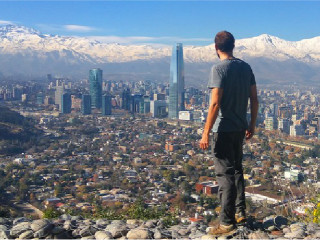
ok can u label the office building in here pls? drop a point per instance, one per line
(176, 85)
(65, 103)
(271, 123)
(284, 125)
(126, 99)
(58, 93)
(158, 108)
(106, 105)
(296, 130)
(40, 98)
(86, 104)
(95, 82)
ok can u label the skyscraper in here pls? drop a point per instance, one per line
(58, 93)
(176, 87)
(86, 104)
(106, 105)
(66, 103)
(126, 96)
(95, 80)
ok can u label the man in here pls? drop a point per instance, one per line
(232, 83)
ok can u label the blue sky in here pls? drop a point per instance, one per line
(166, 22)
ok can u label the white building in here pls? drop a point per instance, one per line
(186, 115)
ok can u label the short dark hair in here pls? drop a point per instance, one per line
(224, 41)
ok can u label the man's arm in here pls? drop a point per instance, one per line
(216, 95)
(254, 105)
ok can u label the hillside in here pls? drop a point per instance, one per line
(17, 133)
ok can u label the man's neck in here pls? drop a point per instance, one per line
(224, 55)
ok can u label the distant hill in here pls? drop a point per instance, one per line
(17, 133)
(273, 60)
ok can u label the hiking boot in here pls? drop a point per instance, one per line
(222, 230)
(240, 217)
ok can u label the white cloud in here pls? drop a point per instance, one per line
(78, 28)
(144, 39)
(4, 22)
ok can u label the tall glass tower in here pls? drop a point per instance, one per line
(95, 80)
(176, 86)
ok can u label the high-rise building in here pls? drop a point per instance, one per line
(58, 93)
(106, 105)
(40, 98)
(65, 103)
(86, 104)
(284, 125)
(271, 123)
(136, 102)
(176, 86)
(158, 108)
(126, 99)
(95, 80)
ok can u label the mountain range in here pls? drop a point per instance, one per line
(26, 51)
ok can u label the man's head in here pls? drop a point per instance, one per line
(224, 42)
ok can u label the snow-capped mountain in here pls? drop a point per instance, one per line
(27, 50)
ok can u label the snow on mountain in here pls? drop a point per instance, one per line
(29, 42)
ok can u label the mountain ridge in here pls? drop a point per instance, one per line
(37, 53)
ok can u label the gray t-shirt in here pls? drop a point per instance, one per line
(235, 77)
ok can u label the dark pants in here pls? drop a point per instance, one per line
(227, 152)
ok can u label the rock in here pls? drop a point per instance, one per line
(258, 235)
(20, 220)
(162, 234)
(117, 229)
(65, 217)
(174, 234)
(102, 222)
(4, 221)
(312, 228)
(183, 231)
(43, 232)
(151, 223)
(133, 221)
(88, 231)
(300, 233)
(19, 228)
(26, 235)
(70, 225)
(297, 226)
(36, 225)
(3, 228)
(88, 238)
(160, 224)
(76, 218)
(139, 233)
(63, 235)
(76, 233)
(197, 234)
(57, 230)
(103, 235)
(207, 237)
(316, 235)
(4, 234)
(286, 230)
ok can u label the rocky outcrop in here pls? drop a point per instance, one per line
(75, 227)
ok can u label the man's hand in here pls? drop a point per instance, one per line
(250, 133)
(204, 142)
